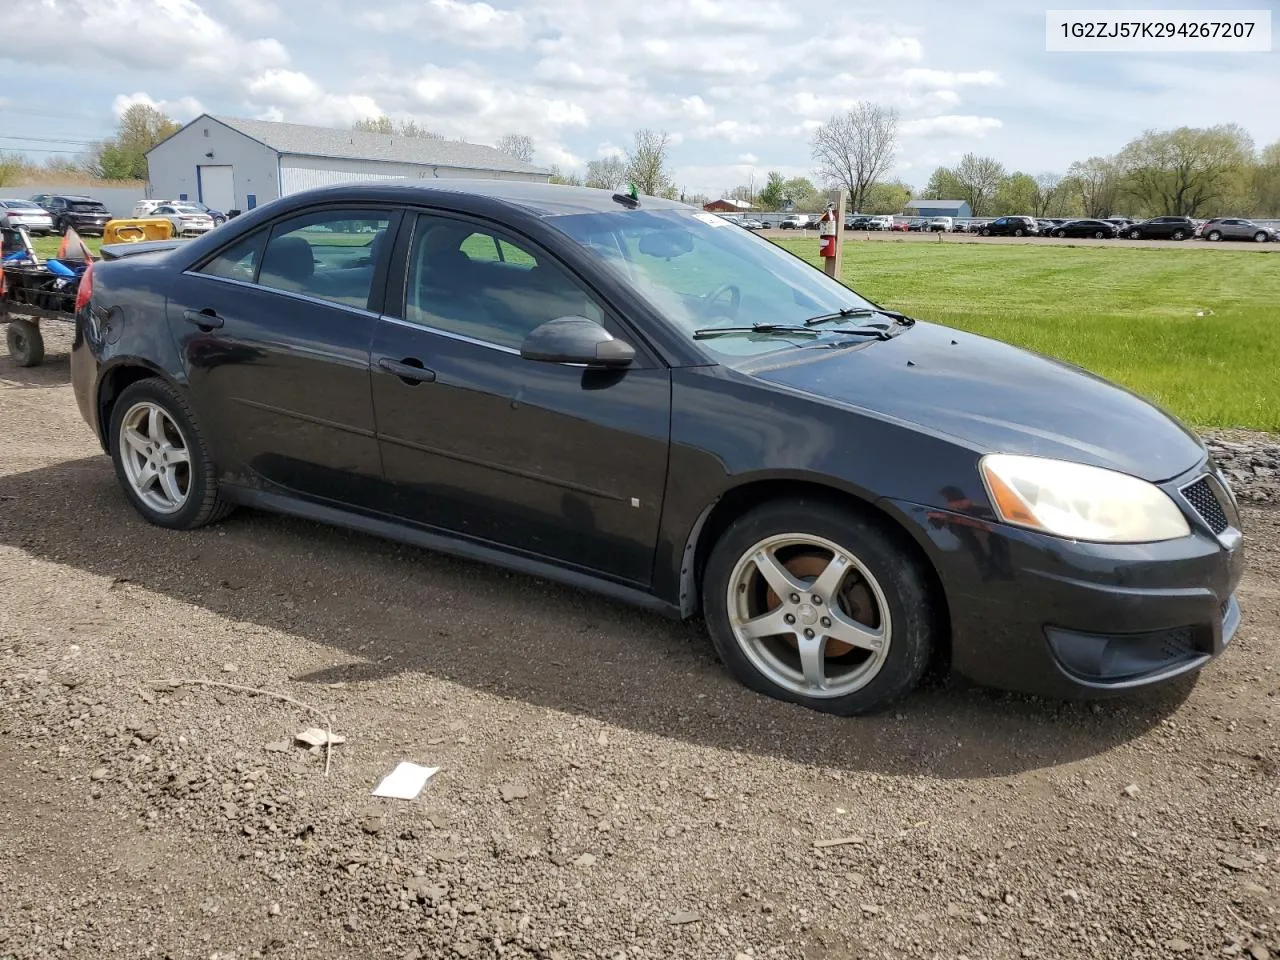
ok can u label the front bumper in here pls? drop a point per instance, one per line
(1055, 617)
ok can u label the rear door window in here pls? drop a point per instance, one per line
(329, 255)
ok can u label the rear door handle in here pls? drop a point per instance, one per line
(410, 370)
(205, 319)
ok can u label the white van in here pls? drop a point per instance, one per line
(942, 224)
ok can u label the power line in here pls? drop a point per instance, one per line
(84, 143)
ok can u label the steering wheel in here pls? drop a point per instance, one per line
(710, 301)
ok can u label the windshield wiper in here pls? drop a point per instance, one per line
(840, 314)
(787, 329)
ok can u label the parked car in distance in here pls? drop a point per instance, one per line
(1161, 228)
(880, 222)
(1097, 229)
(750, 223)
(1010, 227)
(796, 221)
(917, 224)
(942, 225)
(187, 220)
(1120, 223)
(86, 215)
(900, 226)
(1030, 524)
(859, 222)
(1046, 225)
(26, 213)
(1236, 228)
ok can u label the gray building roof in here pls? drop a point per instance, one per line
(938, 204)
(352, 145)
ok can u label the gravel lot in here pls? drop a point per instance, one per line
(605, 790)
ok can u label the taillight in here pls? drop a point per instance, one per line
(85, 290)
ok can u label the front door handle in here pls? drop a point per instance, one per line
(205, 319)
(410, 370)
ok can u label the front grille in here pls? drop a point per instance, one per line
(1177, 644)
(1205, 502)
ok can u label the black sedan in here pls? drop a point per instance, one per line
(1097, 229)
(632, 396)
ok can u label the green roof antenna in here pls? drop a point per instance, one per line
(632, 192)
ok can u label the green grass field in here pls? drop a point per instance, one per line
(1126, 313)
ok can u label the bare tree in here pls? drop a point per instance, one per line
(608, 173)
(518, 146)
(856, 149)
(1097, 182)
(406, 128)
(978, 178)
(647, 160)
(1045, 193)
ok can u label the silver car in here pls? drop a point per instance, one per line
(25, 213)
(1236, 228)
(187, 220)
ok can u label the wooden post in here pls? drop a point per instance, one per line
(833, 267)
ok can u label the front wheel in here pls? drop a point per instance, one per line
(161, 457)
(1098, 235)
(986, 233)
(812, 603)
(1060, 234)
(1213, 235)
(1135, 234)
(1179, 235)
(1260, 237)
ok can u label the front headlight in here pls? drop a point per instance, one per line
(1080, 502)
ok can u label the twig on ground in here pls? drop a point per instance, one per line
(257, 691)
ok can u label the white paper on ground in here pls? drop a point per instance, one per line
(405, 782)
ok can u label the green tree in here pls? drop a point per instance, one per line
(1015, 196)
(124, 156)
(1096, 185)
(885, 197)
(1184, 172)
(569, 179)
(12, 166)
(1265, 199)
(801, 194)
(978, 178)
(771, 194)
(1048, 187)
(942, 185)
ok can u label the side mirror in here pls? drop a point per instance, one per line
(576, 340)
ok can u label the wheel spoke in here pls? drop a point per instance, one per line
(813, 660)
(147, 475)
(847, 630)
(829, 580)
(135, 440)
(776, 575)
(155, 426)
(176, 455)
(766, 625)
(169, 484)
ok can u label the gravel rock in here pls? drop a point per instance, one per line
(1251, 462)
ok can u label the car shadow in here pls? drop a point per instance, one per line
(388, 609)
(53, 371)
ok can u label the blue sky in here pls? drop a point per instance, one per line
(739, 84)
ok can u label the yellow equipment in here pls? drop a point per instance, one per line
(135, 231)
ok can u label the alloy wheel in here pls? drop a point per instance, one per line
(809, 615)
(155, 456)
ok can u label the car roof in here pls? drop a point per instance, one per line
(540, 199)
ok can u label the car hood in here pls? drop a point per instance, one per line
(995, 398)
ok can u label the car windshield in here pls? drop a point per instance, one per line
(698, 273)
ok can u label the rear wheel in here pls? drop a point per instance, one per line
(1135, 234)
(1260, 237)
(808, 602)
(1060, 234)
(161, 457)
(1019, 232)
(26, 345)
(986, 233)
(1098, 235)
(1179, 235)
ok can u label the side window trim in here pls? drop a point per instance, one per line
(397, 286)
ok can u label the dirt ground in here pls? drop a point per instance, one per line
(605, 790)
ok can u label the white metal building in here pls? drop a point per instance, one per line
(232, 164)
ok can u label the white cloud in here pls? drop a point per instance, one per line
(254, 11)
(607, 149)
(750, 158)
(478, 25)
(733, 131)
(925, 77)
(182, 109)
(950, 125)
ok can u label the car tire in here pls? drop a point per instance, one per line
(986, 233)
(1135, 234)
(26, 345)
(1060, 234)
(1019, 232)
(1099, 235)
(1179, 235)
(175, 431)
(882, 599)
(1213, 235)
(1261, 237)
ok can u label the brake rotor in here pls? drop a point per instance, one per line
(855, 597)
